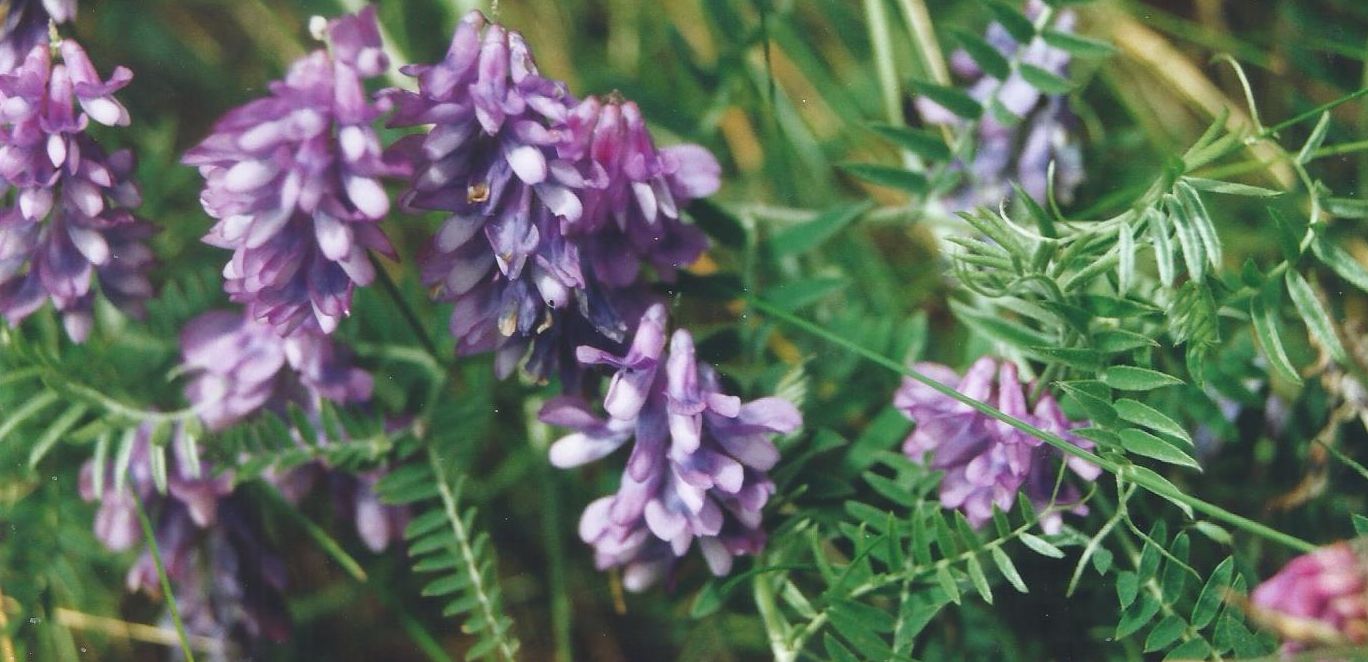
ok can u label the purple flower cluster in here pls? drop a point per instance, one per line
(25, 25)
(553, 206)
(209, 542)
(699, 464)
(294, 181)
(66, 224)
(987, 462)
(1318, 598)
(1038, 127)
(239, 366)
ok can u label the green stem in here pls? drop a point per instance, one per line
(877, 16)
(410, 316)
(151, 537)
(775, 627)
(320, 537)
(1153, 484)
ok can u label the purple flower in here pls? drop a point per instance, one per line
(294, 181)
(25, 25)
(987, 462)
(1037, 128)
(67, 224)
(488, 162)
(1318, 598)
(699, 464)
(637, 212)
(552, 206)
(239, 365)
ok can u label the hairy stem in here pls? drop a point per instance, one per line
(165, 581)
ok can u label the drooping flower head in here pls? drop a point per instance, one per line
(699, 464)
(636, 214)
(66, 224)
(1036, 128)
(294, 182)
(552, 206)
(24, 25)
(488, 162)
(987, 462)
(1320, 598)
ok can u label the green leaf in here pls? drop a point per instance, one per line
(1193, 649)
(1167, 489)
(1262, 309)
(1044, 81)
(1077, 45)
(1360, 524)
(1201, 222)
(1194, 255)
(1165, 633)
(1143, 443)
(1231, 188)
(1163, 245)
(1216, 533)
(1011, 18)
(1115, 341)
(1288, 241)
(1315, 140)
(836, 650)
(1008, 570)
(1140, 413)
(1125, 265)
(1041, 546)
(948, 583)
(1316, 317)
(887, 176)
(1347, 207)
(984, 54)
(1213, 594)
(1098, 409)
(858, 631)
(978, 579)
(807, 236)
(1136, 616)
(1131, 378)
(1340, 261)
(952, 99)
(1127, 587)
(1174, 577)
(797, 294)
(925, 144)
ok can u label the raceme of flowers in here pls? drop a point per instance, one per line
(294, 182)
(698, 469)
(987, 462)
(66, 224)
(1320, 598)
(238, 367)
(553, 206)
(1036, 129)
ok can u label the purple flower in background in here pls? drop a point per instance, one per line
(699, 464)
(25, 25)
(239, 366)
(67, 222)
(294, 181)
(1036, 128)
(553, 205)
(1318, 598)
(987, 462)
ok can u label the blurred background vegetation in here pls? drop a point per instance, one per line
(782, 91)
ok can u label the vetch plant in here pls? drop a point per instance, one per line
(724, 330)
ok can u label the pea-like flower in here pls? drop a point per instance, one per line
(294, 181)
(699, 464)
(987, 462)
(238, 366)
(1320, 598)
(552, 205)
(1035, 129)
(66, 225)
(25, 24)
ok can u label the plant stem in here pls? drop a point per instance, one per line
(775, 626)
(165, 581)
(879, 35)
(410, 316)
(1154, 483)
